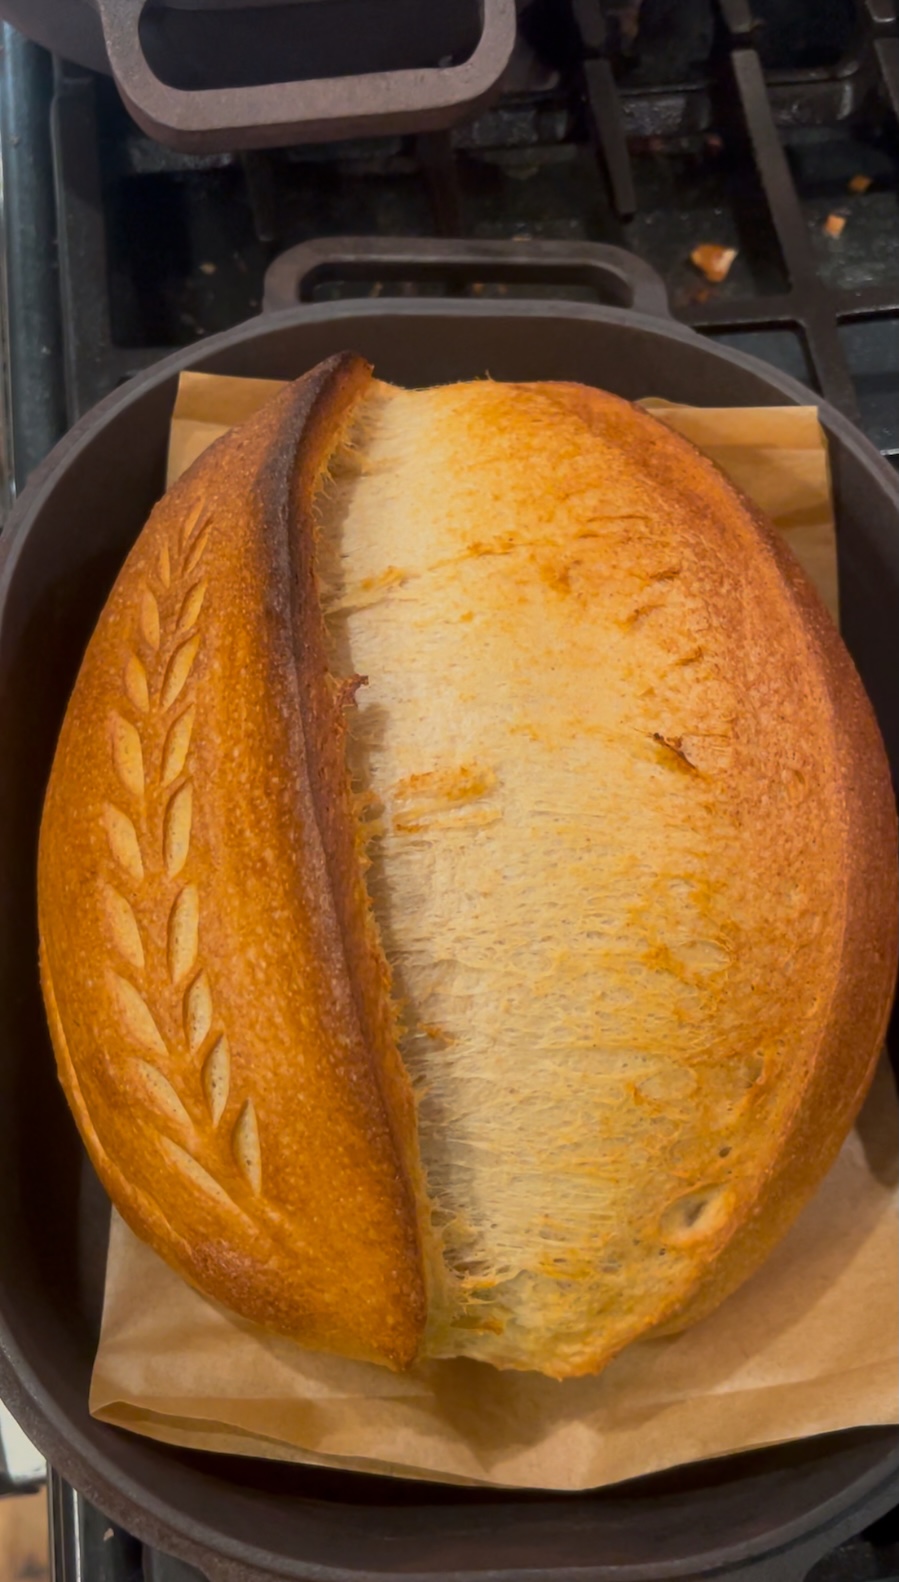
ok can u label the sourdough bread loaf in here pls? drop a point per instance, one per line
(467, 880)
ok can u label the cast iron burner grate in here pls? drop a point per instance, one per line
(655, 125)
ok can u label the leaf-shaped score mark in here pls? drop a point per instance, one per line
(183, 933)
(177, 742)
(149, 619)
(197, 1012)
(194, 1172)
(161, 1094)
(123, 842)
(123, 928)
(217, 1078)
(245, 1146)
(127, 754)
(191, 606)
(178, 669)
(134, 1014)
(136, 684)
(196, 552)
(176, 829)
(193, 520)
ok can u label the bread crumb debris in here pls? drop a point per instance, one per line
(713, 261)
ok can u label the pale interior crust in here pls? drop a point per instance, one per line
(615, 863)
(633, 852)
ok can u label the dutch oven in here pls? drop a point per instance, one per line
(772, 1511)
(206, 75)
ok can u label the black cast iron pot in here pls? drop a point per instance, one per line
(772, 1512)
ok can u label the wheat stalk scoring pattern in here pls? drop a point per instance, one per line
(160, 699)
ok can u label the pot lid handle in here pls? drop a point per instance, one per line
(322, 109)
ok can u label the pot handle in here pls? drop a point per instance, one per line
(616, 275)
(321, 109)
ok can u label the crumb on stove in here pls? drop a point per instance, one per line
(860, 183)
(834, 224)
(713, 261)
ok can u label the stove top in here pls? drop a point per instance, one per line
(658, 126)
(764, 128)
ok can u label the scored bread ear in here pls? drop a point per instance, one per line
(218, 999)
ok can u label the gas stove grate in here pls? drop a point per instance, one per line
(589, 142)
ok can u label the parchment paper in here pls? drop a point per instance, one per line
(809, 1345)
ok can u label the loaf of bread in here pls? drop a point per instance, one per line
(467, 879)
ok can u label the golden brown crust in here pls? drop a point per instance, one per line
(218, 1005)
(862, 849)
(864, 980)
